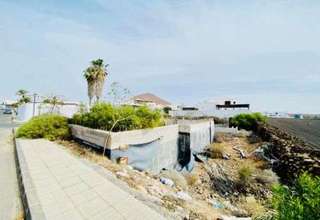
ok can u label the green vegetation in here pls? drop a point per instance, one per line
(247, 121)
(49, 126)
(119, 118)
(54, 101)
(302, 201)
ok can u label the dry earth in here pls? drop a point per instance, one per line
(211, 191)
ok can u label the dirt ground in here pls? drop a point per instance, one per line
(211, 191)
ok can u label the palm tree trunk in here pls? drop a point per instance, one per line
(91, 91)
(99, 87)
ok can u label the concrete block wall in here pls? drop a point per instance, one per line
(201, 134)
(148, 149)
(152, 149)
(91, 136)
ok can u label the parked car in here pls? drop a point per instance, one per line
(7, 111)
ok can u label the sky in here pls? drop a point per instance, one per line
(262, 52)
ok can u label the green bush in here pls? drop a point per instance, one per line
(302, 201)
(48, 126)
(247, 121)
(122, 118)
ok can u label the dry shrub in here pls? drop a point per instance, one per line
(216, 150)
(252, 206)
(218, 138)
(253, 139)
(192, 179)
(245, 173)
(172, 203)
(267, 177)
(261, 164)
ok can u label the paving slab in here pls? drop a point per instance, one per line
(61, 186)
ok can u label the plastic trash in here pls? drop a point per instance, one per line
(166, 181)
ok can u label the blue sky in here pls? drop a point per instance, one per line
(263, 52)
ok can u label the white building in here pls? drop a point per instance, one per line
(212, 109)
(28, 110)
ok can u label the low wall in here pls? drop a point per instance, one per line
(148, 149)
(221, 113)
(221, 129)
(152, 149)
(201, 134)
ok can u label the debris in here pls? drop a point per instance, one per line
(184, 196)
(216, 204)
(242, 154)
(122, 174)
(177, 178)
(122, 160)
(226, 156)
(166, 181)
(220, 179)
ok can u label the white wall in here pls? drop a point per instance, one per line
(216, 113)
(25, 111)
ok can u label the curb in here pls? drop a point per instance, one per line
(30, 202)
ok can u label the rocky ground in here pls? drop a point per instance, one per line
(213, 190)
(292, 154)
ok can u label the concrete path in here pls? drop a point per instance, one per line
(64, 187)
(9, 193)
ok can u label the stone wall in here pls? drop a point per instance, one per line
(294, 155)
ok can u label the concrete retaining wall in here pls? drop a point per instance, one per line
(201, 134)
(152, 149)
(148, 149)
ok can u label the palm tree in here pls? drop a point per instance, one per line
(54, 101)
(23, 96)
(96, 75)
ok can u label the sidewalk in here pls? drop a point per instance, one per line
(60, 186)
(9, 193)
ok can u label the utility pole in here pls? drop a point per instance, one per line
(34, 104)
